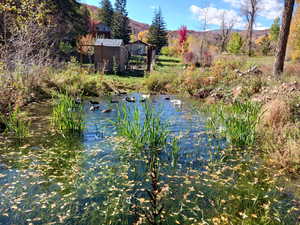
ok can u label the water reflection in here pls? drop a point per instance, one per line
(40, 176)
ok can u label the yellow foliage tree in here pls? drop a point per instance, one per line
(294, 38)
(143, 36)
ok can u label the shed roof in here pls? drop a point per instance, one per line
(109, 42)
(138, 42)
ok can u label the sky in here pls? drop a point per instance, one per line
(193, 13)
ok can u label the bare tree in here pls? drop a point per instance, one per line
(226, 27)
(283, 37)
(250, 9)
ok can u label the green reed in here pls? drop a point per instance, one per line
(144, 130)
(16, 124)
(236, 122)
(67, 115)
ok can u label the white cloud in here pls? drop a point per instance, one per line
(214, 16)
(269, 9)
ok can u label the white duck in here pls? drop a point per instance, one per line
(145, 96)
(176, 102)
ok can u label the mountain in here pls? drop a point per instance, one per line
(136, 26)
(212, 35)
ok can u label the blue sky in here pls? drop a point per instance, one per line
(193, 13)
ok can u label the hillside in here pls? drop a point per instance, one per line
(135, 25)
(213, 34)
(138, 27)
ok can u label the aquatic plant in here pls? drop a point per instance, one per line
(145, 131)
(16, 124)
(67, 115)
(236, 122)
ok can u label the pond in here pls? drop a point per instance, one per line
(97, 178)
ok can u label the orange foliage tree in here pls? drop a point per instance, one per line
(294, 39)
(143, 36)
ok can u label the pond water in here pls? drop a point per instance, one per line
(90, 179)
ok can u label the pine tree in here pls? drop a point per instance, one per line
(157, 31)
(106, 13)
(120, 25)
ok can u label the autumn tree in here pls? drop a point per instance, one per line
(84, 45)
(294, 38)
(120, 25)
(235, 43)
(106, 12)
(283, 37)
(250, 9)
(182, 38)
(157, 31)
(143, 36)
(264, 44)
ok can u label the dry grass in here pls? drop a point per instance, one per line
(276, 114)
(280, 135)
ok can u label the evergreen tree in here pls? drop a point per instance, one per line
(275, 29)
(106, 13)
(235, 43)
(72, 18)
(157, 31)
(120, 25)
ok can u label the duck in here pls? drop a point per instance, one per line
(167, 98)
(78, 101)
(2, 127)
(143, 100)
(176, 102)
(106, 111)
(145, 96)
(94, 102)
(122, 93)
(94, 108)
(130, 99)
(114, 101)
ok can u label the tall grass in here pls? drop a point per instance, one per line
(236, 122)
(67, 115)
(16, 124)
(145, 131)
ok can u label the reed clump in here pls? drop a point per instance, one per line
(67, 115)
(16, 124)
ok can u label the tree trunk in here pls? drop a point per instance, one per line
(250, 35)
(283, 37)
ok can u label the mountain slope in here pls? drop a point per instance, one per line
(136, 26)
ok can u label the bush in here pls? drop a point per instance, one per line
(225, 65)
(160, 82)
(165, 51)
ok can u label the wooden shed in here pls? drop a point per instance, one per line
(110, 53)
(137, 48)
